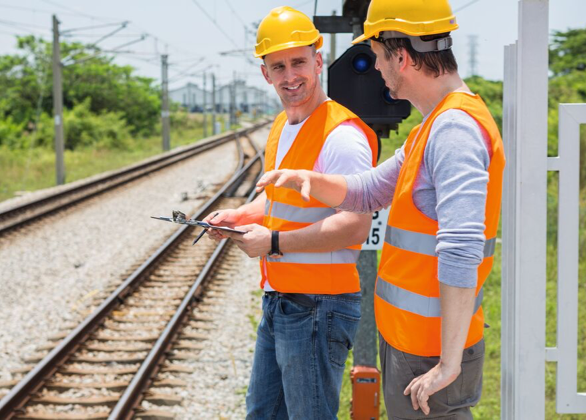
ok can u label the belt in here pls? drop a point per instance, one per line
(298, 298)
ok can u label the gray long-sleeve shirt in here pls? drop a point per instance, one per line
(451, 188)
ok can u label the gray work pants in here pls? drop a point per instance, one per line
(451, 403)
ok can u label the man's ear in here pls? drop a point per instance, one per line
(319, 61)
(404, 59)
(265, 73)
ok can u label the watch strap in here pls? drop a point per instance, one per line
(275, 243)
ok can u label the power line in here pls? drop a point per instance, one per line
(215, 23)
(77, 12)
(73, 12)
(22, 24)
(101, 35)
(30, 9)
(235, 14)
(105, 25)
(158, 38)
(465, 6)
(248, 60)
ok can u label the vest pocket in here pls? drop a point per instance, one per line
(341, 332)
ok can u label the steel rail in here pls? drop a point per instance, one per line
(111, 181)
(131, 398)
(17, 398)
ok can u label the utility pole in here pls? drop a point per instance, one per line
(332, 44)
(332, 54)
(473, 44)
(165, 103)
(214, 103)
(205, 106)
(58, 104)
(233, 101)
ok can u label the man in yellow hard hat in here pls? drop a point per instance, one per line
(444, 187)
(311, 304)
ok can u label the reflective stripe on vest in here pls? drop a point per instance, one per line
(413, 302)
(342, 256)
(423, 243)
(298, 214)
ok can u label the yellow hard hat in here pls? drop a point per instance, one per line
(284, 28)
(412, 17)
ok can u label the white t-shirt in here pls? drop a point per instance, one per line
(345, 152)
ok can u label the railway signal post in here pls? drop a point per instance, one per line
(355, 83)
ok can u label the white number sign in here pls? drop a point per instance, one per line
(376, 238)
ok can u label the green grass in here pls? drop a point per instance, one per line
(34, 169)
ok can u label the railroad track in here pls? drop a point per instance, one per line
(29, 212)
(129, 350)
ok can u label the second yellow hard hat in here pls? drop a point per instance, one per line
(284, 28)
(412, 17)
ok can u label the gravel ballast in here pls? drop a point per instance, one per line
(217, 387)
(50, 274)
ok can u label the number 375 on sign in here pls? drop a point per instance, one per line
(376, 238)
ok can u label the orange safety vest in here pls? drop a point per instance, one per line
(407, 304)
(308, 272)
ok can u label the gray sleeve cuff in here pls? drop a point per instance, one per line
(457, 276)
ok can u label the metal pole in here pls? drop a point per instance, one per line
(214, 104)
(205, 105)
(509, 216)
(356, 27)
(233, 102)
(58, 104)
(332, 55)
(525, 354)
(165, 103)
(365, 350)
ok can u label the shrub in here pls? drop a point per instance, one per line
(10, 132)
(84, 128)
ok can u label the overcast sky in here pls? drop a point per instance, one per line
(189, 34)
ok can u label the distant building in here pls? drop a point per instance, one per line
(190, 96)
(248, 98)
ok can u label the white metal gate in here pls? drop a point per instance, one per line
(523, 350)
(568, 165)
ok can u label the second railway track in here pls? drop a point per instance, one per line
(143, 329)
(31, 211)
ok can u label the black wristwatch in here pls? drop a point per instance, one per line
(275, 252)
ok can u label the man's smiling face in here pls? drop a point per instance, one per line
(294, 73)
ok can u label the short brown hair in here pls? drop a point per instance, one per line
(433, 63)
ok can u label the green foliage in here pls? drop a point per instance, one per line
(28, 75)
(10, 132)
(84, 128)
(567, 52)
(491, 93)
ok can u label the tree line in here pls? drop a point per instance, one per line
(104, 103)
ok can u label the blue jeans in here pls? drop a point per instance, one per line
(300, 355)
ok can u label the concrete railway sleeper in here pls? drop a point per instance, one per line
(130, 352)
(24, 214)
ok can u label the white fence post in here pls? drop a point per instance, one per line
(509, 223)
(524, 344)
